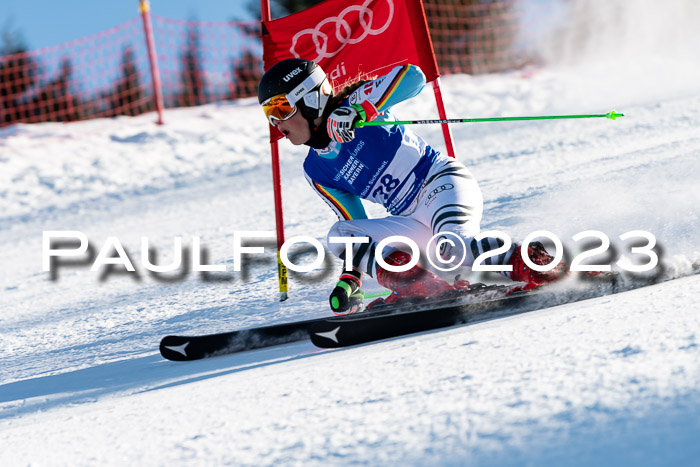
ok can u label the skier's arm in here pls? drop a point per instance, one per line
(401, 83)
(372, 98)
(345, 205)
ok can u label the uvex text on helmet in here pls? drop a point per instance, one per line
(304, 83)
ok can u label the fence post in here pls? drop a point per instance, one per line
(152, 57)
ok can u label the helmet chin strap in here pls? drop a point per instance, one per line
(319, 136)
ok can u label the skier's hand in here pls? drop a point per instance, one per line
(347, 297)
(341, 124)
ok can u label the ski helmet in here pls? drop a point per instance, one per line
(303, 83)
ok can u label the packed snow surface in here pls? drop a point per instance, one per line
(613, 380)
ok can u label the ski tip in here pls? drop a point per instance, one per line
(325, 335)
(174, 348)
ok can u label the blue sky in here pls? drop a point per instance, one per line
(43, 23)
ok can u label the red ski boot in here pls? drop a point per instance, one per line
(416, 282)
(538, 255)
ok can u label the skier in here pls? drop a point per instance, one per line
(425, 192)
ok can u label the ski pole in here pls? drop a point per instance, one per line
(611, 115)
(379, 294)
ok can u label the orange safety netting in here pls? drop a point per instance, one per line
(97, 76)
(202, 62)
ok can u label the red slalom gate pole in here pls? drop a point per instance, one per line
(145, 9)
(277, 188)
(446, 133)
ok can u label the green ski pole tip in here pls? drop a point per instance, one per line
(613, 115)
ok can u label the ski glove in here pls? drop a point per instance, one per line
(341, 122)
(347, 297)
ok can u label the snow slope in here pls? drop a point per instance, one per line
(612, 381)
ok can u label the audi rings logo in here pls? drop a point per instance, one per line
(440, 189)
(368, 24)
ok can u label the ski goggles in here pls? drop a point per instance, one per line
(278, 108)
(283, 106)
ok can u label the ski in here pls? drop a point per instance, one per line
(477, 303)
(380, 322)
(487, 302)
(368, 327)
(185, 348)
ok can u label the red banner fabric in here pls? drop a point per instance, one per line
(353, 39)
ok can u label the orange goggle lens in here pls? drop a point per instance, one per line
(278, 108)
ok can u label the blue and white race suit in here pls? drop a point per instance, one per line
(425, 192)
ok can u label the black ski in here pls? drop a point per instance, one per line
(482, 304)
(380, 322)
(478, 303)
(368, 327)
(183, 348)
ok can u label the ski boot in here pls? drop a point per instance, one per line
(347, 297)
(417, 282)
(538, 255)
